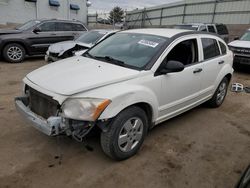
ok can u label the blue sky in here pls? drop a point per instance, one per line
(107, 5)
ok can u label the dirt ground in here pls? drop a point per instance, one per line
(203, 148)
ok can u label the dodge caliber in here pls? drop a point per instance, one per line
(127, 84)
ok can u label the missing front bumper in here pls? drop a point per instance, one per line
(50, 126)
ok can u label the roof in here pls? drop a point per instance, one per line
(164, 32)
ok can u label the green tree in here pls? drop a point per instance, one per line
(116, 14)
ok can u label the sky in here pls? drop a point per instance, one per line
(106, 5)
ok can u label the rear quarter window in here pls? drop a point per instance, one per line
(223, 48)
(78, 27)
(210, 48)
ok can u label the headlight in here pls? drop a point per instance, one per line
(84, 109)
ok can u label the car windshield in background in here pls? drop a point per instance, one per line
(246, 37)
(128, 49)
(187, 27)
(91, 37)
(28, 25)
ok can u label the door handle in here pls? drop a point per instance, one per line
(197, 70)
(221, 62)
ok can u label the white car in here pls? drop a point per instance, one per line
(67, 49)
(241, 49)
(127, 84)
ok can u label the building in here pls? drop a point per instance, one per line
(20, 11)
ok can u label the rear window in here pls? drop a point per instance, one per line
(211, 29)
(222, 29)
(223, 48)
(210, 48)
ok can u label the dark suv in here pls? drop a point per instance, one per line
(35, 36)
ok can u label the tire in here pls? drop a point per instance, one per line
(14, 53)
(220, 94)
(132, 136)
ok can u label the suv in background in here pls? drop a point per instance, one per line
(219, 29)
(35, 36)
(241, 50)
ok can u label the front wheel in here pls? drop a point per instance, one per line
(220, 94)
(14, 53)
(126, 133)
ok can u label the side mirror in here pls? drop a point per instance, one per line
(236, 38)
(172, 66)
(37, 30)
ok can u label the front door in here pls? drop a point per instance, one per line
(181, 90)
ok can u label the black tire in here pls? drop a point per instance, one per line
(214, 102)
(14, 58)
(109, 139)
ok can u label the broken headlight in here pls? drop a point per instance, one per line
(84, 109)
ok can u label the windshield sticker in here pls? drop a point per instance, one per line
(148, 43)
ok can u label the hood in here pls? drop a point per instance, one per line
(79, 74)
(240, 44)
(9, 31)
(62, 47)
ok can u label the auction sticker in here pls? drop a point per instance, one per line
(148, 43)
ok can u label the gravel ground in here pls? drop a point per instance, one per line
(202, 148)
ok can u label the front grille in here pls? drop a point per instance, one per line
(242, 60)
(243, 51)
(41, 104)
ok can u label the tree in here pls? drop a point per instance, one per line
(116, 14)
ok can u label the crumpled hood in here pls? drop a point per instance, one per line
(61, 47)
(9, 31)
(240, 44)
(79, 74)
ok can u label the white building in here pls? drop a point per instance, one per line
(20, 11)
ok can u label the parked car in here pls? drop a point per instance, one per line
(241, 49)
(245, 179)
(66, 49)
(127, 84)
(219, 29)
(35, 36)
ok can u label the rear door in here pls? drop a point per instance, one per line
(213, 61)
(68, 30)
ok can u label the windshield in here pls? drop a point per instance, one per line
(91, 37)
(188, 27)
(28, 25)
(246, 36)
(128, 49)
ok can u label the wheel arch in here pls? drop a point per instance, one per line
(22, 43)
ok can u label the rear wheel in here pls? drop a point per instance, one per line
(220, 94)
(14, 53)
(126, 134)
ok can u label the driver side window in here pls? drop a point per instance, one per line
(185, 52)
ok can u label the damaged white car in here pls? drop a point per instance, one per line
(126, 85)
(67, 49)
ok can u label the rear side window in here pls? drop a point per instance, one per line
(78, 27)
(211, 29)
(210, 48)
(223, 48)
(61, 26)
(47, 27)
(222, 29)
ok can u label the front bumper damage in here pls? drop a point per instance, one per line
(51, 126)
(57, 125)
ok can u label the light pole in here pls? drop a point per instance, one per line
(88, 4)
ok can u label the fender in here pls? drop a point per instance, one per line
(134, 94)
(15, 40)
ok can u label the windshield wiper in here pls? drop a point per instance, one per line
(110, 59)
(87, 54)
